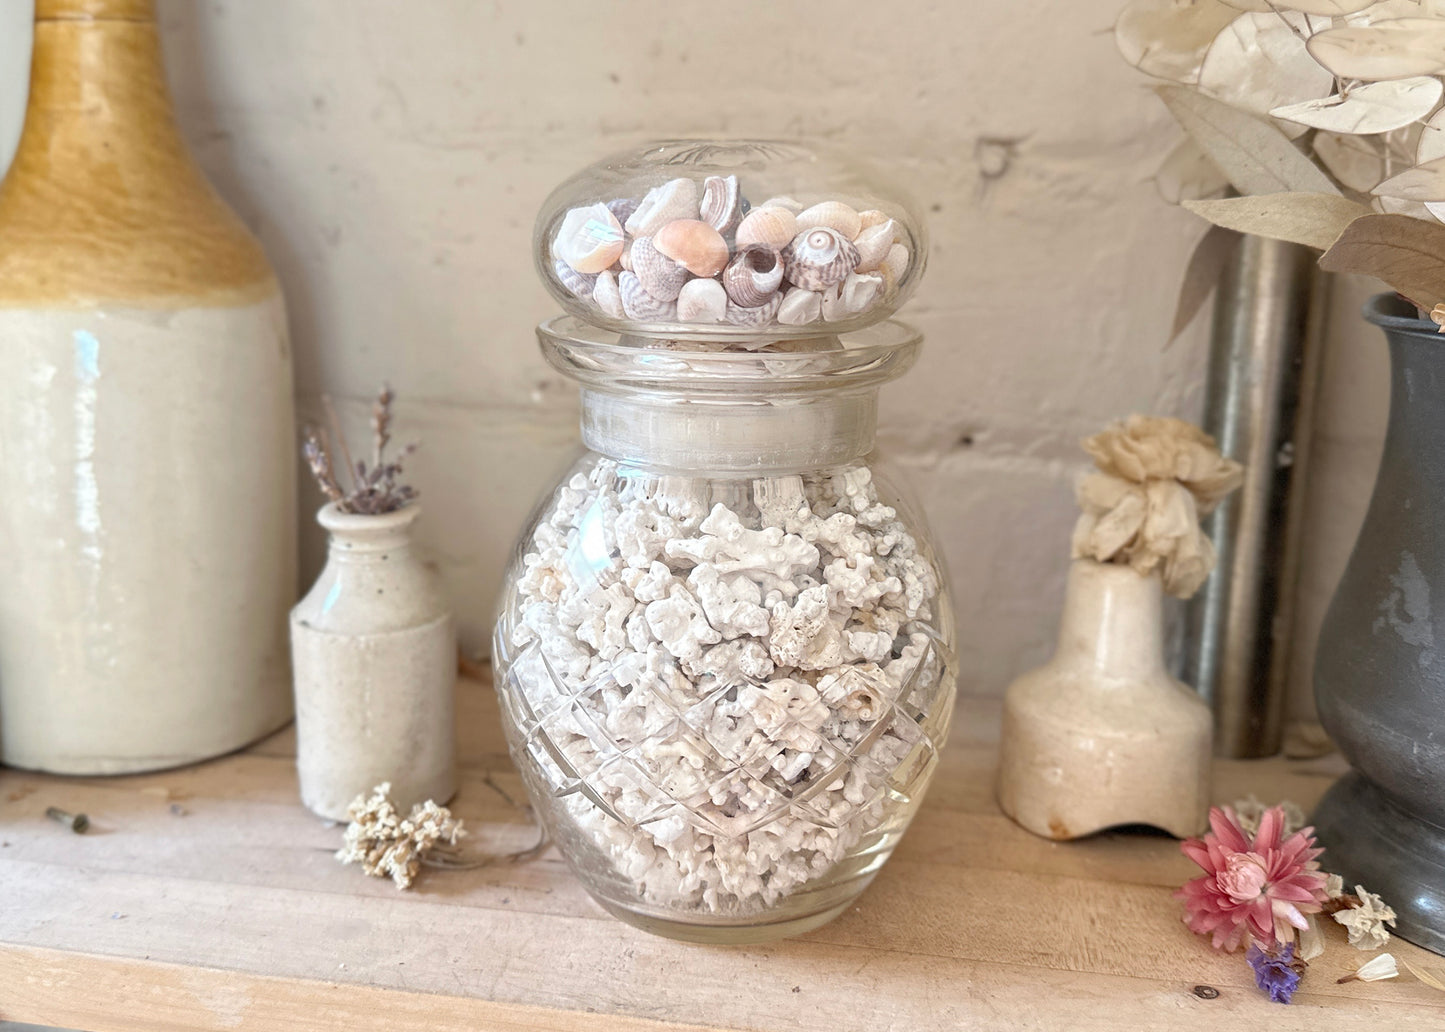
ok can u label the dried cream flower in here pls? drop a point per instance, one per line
(387, 846)
(1157, 477)
(1250, 809)
(1335, 886)
(1438, 315)
(1366, 921)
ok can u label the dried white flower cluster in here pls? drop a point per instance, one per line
(1250, 809)
(725, 684)
(388, 846)
(1157, 477)
(1366, 920)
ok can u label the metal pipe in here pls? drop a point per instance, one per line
(1264, 364)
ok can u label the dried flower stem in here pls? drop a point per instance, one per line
(367, 490)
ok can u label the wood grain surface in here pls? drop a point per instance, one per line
(208, 898)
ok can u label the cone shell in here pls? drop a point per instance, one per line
(800, 306)
(753, 276)
(673, 200)
(639, 304)
(834, 215)
(607, 295)
(702, 301)
(818, 258)
(693, 244)
(722, 204)
(897, 261)
(589, 239)
(769, 225)
(758, 316)
(873, 244)
(852, 296)
(579, 284)
(660, 275)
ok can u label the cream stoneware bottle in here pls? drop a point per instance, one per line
(147, 477)
(375, 653)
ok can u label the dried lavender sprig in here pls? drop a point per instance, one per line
(373, 489)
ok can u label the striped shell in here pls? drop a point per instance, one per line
(675, 199)
(693, 244)
(702, 301)
(834, 215)
(818, 258)
(607, 295)
(622, 208)
(660, 275)
(800, 307)
(722, 204)
(578, 283)
(767, 225)
(589, 239)
(753, 276)
(639, 304)
(759, 316)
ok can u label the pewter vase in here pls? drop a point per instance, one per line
(1380, 672)
(374, 651)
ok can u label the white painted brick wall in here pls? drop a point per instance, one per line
(392, 156)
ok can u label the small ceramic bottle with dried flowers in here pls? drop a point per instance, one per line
(373, 647)
(1101, 735)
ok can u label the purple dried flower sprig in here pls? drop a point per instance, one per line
(1276, 971)
(374, 488)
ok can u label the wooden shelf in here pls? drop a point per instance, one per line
(207, 898)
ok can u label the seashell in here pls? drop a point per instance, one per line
(622, 208)
(607, 295)
(673, 200)
(834, 215)
(873, 244)
(757, 316)
(800, 306)
(896, 261)
(722, 204)
(753, 276)
(702, 301)
(589, 239)
(660, 275)
(639, 304)
(625, 261)
(769, 225)
(818, 258)
(578, 283)
(851, 296)
(695, 245)
(870, 218)
(786, 203)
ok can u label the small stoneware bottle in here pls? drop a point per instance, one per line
(374, 650)
(1101, 735)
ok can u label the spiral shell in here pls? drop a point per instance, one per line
(769, 225)
(819, 257)
(722, 204)
(753, 276)
(851, 296)
(675, 199)
(873, 244)
(800, 307)
(589, 239)
(660, 275)
(702, 301)
(693, 244)
(578, 283)
(834, 215)
(758, 316)
(607, 295)
(639, 304)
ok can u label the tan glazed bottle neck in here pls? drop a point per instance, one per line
(103, 202)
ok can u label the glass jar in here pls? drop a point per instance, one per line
(725, 643)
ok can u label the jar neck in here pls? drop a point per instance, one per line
(730, 433)
(1113, 621)
(359, 538)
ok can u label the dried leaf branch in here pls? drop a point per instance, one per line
(370, 489)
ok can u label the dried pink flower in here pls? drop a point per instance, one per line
(1256, 889)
